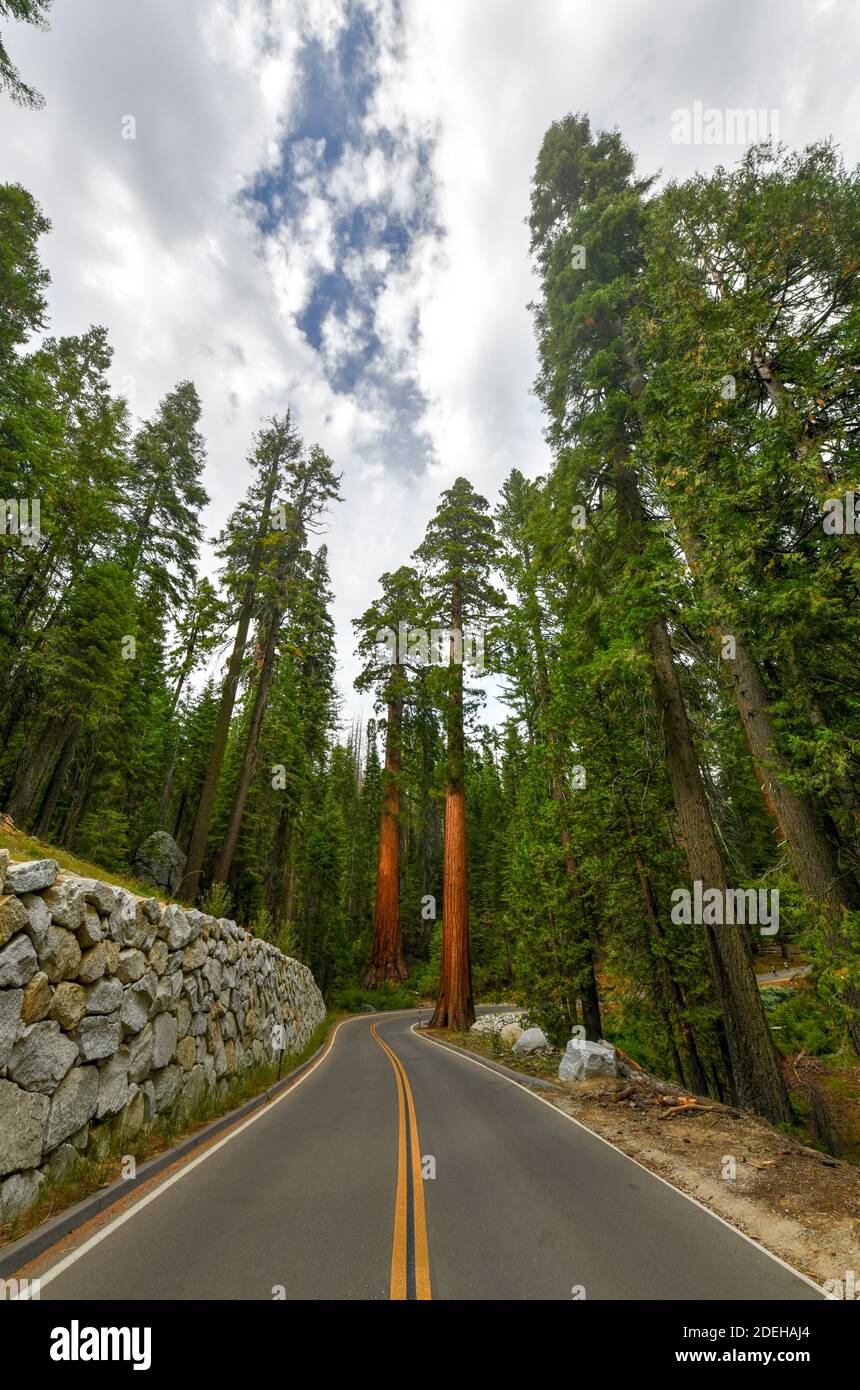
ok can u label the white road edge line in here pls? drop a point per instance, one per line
(114, 1225)
(457, 1052)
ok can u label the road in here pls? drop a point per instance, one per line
(396, 1168)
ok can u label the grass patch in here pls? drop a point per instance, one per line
(22, 846)
(103, 1165)
(490, 1045)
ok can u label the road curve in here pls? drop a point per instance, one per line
(398, 1169)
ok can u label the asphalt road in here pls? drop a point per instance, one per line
(396, 1168)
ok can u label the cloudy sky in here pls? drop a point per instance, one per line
(323, 207)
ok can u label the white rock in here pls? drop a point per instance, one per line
(494, 1023)
(32, 876)
(583, 1059)
(532, 1040)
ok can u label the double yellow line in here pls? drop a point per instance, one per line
(410, 1277)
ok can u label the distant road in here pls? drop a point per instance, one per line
(322, 1196)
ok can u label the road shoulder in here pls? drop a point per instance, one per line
(801, 1206)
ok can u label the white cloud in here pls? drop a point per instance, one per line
(150, 240)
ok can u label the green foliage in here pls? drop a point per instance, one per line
(801, 1021)
(217, 901)
(385, 998)
(11, 82)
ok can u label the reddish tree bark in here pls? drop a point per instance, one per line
(386, 961)
(455, 1006)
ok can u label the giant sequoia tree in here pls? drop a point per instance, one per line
(458, 552)
(383, 635)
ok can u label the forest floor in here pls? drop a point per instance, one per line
(802, 1205)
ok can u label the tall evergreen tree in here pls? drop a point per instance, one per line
(458, 552)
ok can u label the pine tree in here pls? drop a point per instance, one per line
(586, 195)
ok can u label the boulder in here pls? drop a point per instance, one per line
(113, 1084)
(136, 1004)
(18, 962)
(127, 925)
(11, 1004)
(104, 996)
(140, 1054)
(4, 864)
(583, 1059)
(18, 1193)
(41, 1057)
(196, 1088)
(72, 1105)
(147, 1090)
(511, 1033)
(38, 918)
(159, 860)
(31, 877)
(90, 931)
(68, 1004)
(60, 954)
(130, 966)
(101, 895)
(98, 1035)
(93, 965)
(130, 1121)
(532, 1040)
(62, 1163)
(13, 917)
(194, 956)
(65, 902)
(157, 956)
(22, 1125)
(176, 929)
(37, 998)
(166, 1087)
(165, 1034)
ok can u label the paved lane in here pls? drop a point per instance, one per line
(323, 1194)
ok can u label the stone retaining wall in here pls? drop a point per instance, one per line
(115, 1009)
